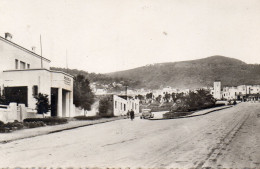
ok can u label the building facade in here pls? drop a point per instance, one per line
(24, 74)
(123, 104)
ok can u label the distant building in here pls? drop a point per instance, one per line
(217, 90)
(242, 92)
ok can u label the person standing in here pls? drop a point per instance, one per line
(132, 114)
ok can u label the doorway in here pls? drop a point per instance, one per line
(54, 101)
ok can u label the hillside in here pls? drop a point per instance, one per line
(194, 73)
(102, 80)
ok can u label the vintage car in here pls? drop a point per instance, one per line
(146, 114)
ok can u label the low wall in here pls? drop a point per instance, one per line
(4, 115)
(13, 112)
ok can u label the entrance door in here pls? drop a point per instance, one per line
(54, 101)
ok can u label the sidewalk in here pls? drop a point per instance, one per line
(33, 132)
(197, 113)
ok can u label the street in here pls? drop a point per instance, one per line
(225, 138)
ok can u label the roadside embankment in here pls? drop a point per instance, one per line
(196, 113)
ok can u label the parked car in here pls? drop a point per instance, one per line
(146, 114)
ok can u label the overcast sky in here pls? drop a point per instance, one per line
(111, 35)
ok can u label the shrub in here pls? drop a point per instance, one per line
(1, 123)
(48, 121)
(34, 124)
(88, 117)
(42, 104)
(200, 99)
(10, 126)
(106, 106)
(14, 125)
(92, 117)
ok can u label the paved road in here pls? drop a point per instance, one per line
(226, 138)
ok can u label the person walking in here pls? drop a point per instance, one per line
(132, 114)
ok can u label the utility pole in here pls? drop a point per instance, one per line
(41, 50)
(67, 60)
(126, 90)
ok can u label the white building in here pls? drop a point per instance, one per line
(24, 74)
(217, 90)
(123, 104)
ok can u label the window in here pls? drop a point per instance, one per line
(16, 64)
(124, 107)
(35, 90)
(22, 65)
(121, 106)
(28, 66)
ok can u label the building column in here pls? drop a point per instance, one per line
(59, 106)
(71, 107)
(67, 104)
(30, 97)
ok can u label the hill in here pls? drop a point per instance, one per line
(104, 81)
(193, 74)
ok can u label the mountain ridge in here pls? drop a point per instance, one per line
(193, 73)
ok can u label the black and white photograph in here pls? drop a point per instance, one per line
(129, 84)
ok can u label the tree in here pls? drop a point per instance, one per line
(140, 97)
(166, 97)
(106, 106)
(173, 97)
(83, 96)
(149, 95)
(158, 98)
(42, 104)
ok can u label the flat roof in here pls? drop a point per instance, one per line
(22, 48)
(53, 71)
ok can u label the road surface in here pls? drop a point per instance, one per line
(226, 138)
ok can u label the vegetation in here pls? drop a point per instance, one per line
(194, 74)
(91, 117)
(106, 106)
(42, 104)
(30, 123)
(114, 84)
(82, 94)
(47, 121)
(200, 99)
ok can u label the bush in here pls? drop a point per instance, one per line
(42, 104)
(34, 124)
(201, 99)
(48, 121)
(92, 117)
(8, 127)
(88, 117)
(106, 107)
(1, 123)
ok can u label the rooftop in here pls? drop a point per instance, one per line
(22, 48)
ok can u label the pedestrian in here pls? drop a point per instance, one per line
(128, 114)
(132, 114)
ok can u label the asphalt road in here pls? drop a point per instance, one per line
(225, 139)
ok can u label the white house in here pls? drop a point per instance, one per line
(24, 74)
(123, 104)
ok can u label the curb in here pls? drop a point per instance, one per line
(188, 116)
(57, 131)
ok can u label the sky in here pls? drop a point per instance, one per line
(104, 36)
